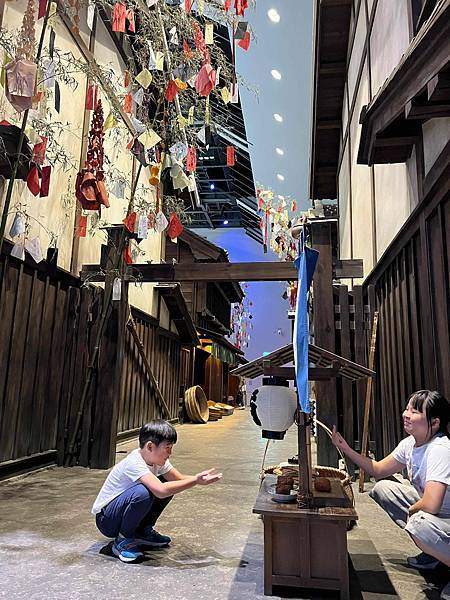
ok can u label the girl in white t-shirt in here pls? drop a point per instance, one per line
(423, 508)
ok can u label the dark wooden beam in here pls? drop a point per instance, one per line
(329, 124)
(425, 111)
(438, 88)
(314, 373)
(246, 271)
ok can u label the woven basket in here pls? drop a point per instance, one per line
(334, 473)
(196, 404)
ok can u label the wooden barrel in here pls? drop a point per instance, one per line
(196, 404)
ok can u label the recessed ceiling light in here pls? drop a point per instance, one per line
(211, 186)
(225, 222)
(278, 117)
(275, 74)
(273, 15)
(280, 177)
(279, 151)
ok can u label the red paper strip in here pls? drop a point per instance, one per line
(187, 6)
(227, 5)
(39, 151)
(130, 18)
(126, 78)
(118, 17)
(191, 160)
(130, 222)
(33, 181)
(231, 161)
(186, 49)
(171, 90)
(42, 8)
(128, 103)
(45, 182)
(245, 42)
(175, 227)
(90, 97)
(240, 6)
(82, 226)
(294, 206)
(127, 255)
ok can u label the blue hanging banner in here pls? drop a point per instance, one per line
(306, 265)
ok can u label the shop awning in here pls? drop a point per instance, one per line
(179, 313)
(417, 90)
(318, 357)
(220, 347)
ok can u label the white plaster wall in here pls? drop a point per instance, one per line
(392, 202)
(344, 206)
(362, 221)
(357, 50)
(436, 134)
(389, 39)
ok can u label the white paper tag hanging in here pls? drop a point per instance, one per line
(117, 289)
(219, 68)
(152, 57)
(18, 251)
(90, 14)
(161, 222)
(143, 227)
(18, 226)
(33, 247)
(173, 36)
(49, 77)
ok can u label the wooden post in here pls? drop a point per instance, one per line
(365, 433)
(304, 462)
(324, 336)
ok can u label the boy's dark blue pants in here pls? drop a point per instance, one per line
(132, 511)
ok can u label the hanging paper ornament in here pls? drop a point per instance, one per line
(205, 80)
(240, 6)
(45, 182)
(128, 104)
(209, 34)
(130, 19)
(230, 156)
(155, 174)
(227, 5)
(21, 75)
(42, 8)
(33, 181)
(39, 151)
(119, 14)
(171, 90)
(180, 180)
(130, 222)
(191, 160)
(91, 96)
(18, 251)
(175, 227)
(90, 188)
(33, 247)
(160, 222)
(187, 51)
(200, 7)
(127, 254)
(82, 226)
(199, 41)
(294, 206)
(18, 226)
(188, 6)
(245, 41)
(144, 78)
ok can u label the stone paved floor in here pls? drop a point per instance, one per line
(50, 548)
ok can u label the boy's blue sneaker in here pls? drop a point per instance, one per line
(423, 562)
(150, 537)
(126, 550)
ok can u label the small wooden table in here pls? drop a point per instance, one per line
(304, 547)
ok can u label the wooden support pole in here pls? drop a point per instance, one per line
(304, 462)
(365, 434)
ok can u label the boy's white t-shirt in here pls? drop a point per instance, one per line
(124, 475)
(430, 462)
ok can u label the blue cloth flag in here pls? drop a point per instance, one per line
(306, 265)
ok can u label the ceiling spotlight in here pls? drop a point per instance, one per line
(225, 222)
(211, 186)
(273, 15)
(280, 177)
(278, 117)
(279, 151)
(275, 74)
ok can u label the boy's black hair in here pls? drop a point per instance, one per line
(157, 431)
(434, 405)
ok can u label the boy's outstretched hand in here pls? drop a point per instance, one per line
(208, 476)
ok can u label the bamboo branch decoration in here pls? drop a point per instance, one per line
(21, 137)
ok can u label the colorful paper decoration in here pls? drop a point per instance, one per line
(130, 222)
(245, 42)
(91, 96)
(187, 50)
(33, 181)
(171, 91)
(21, 75)
(119, 14)
(231, 161)
(128, 104)
(209, 33)
(33, 247)
(205, 80)
(130, 19)
(191, 160)
(39, 151)
(90, 188)
(160, 222)
(175, 227)
(155, 174)
(144, 78)
(42, 8)
(240, 6)
(227, 5)
(45, 182)
(188, 6)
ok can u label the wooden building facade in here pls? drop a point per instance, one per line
(381, 147)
